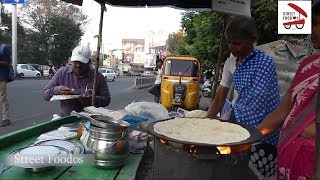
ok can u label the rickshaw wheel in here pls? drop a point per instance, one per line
(299, 26)
(156, 99)
(174, 108)
(287, 26)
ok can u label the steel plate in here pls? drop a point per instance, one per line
(78, 148)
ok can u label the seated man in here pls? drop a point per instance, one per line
(77, 79)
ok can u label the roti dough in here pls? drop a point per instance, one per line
(196, 114)
(207, 131)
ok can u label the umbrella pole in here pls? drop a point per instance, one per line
(217, 74)
(93, 103)
(317, 151)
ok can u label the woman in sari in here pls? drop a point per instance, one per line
(297, 115)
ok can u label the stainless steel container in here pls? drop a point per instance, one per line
(110, 144)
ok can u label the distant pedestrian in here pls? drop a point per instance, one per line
(5, 62)
(51, 71)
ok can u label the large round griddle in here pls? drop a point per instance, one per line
(255, 136)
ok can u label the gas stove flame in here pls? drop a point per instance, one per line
(192, 149)
(162, 141)
(265, 131)
(224, 149)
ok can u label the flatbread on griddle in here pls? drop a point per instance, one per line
(207, 131)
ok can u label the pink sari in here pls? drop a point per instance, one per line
(296, 154)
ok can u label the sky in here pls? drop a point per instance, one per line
(132, 23)
(120, 22)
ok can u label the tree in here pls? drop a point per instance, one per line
(177, 43)
(54, 28)
(265, 13)
(67, 35)
(6, 35)
(203, 31)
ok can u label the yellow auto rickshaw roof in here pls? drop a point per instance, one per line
(188, 58)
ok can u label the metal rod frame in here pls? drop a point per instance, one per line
(220, 55)
(98, 55)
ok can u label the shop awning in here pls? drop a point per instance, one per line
(183, 4)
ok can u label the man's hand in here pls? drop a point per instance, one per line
(85, 100)
(63, 90)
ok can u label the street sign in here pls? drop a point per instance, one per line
(239, 7)
(13, 1)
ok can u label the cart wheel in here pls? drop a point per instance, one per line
(287, 26)
(299, 26)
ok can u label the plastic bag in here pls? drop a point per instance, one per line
(151, 110)
(119, 114)
(134, 120)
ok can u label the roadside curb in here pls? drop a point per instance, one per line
(143, 82)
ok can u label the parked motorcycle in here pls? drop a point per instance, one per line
(207, 88)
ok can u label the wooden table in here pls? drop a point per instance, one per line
(27, 136)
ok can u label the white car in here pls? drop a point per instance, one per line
(26, 70)
(109, 74)
(147, 74)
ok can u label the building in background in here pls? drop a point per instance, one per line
(137, 54)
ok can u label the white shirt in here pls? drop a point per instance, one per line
(228, 70)
(158, 78)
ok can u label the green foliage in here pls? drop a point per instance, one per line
(265, 13)
(6, 35)
(203, 31)
(54, 29)
(67, 35)
(176, 42)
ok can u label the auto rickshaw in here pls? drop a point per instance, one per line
(180, 83)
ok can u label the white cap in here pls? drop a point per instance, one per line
(81, 53)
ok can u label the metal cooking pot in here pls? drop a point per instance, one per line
(110, 145)
(105, 134)
(109, 153)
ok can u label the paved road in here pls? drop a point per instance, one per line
(27, 106)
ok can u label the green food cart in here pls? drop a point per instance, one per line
(28, 136)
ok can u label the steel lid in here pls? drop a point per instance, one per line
(107, 122)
